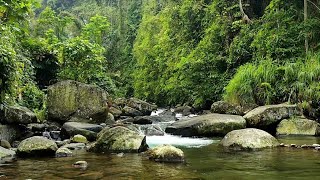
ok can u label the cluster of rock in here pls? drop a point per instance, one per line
(83, 117)
(80, 117)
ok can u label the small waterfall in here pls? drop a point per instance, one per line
(155, 140)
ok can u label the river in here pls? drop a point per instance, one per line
(203, 161)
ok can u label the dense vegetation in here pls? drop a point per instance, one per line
(164, 51)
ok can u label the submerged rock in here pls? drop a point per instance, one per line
(80, 164)
(297, 126)
(71, 98)
(246, 139)
(264, 116)
(18, 115)
(74, 146)
(207, 125)
(37, 146)
(90, 131)
(6, 155)
(166, 153)
(119, 139)
(63, 152)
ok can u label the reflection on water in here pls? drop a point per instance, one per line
(207, 162)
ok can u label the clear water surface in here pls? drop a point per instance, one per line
(203, 162)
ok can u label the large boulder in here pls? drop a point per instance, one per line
(90, 131)
(265, 116)
(18, 115)
(6, 155)
(70, 98)
(246, 139)
(37, 146)
(166, 153)
(297, 126)
(207, 125)
(223, 107)
(119, 139)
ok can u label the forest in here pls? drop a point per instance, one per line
(194, 52)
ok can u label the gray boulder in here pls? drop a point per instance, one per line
(141, 106)
(297, 126)
(37, 146)
(71, 98)
(6, 155)
(18, 115)
(152, 130)
(129, 111)
(10, 132)
(184, 110)
(207, 125)
(166, 153)
(246, 139)
(115, 112)
(264, 116)
(119, 139)
(90, 131)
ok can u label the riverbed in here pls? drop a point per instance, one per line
(203, 161)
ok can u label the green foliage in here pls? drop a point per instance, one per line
(96, 30)
(268, 83)
(80, 60)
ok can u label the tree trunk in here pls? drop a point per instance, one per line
(244, 15)
(306, 44)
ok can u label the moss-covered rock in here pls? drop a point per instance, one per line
(6, 155)
(251, 138)
(207, 125)
(297, 126)
(119, 139)
(223, 107)
(79, 139)
(37, 146)
(166, 153)
(264, 116)
(18, 115)
(71, 98)
(63, 152)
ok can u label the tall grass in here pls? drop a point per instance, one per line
(269, 83)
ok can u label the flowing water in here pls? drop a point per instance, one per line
(203, 162)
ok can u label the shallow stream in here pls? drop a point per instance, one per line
(203, 162)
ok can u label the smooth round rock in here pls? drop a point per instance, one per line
(166, 153)
(250, 138)
(37, 146)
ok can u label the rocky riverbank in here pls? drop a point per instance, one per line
(83, 117)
